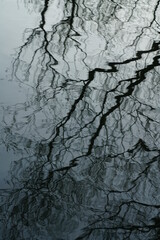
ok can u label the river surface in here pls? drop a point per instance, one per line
(79, 120)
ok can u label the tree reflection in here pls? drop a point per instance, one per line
(88, 135)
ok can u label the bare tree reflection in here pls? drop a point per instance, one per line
(87, 138)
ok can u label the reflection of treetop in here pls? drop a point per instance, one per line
(88, 136)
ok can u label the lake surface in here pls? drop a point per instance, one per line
(80, 120)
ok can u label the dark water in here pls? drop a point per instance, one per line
(80, 120)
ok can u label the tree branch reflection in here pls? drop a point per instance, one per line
(88, 139)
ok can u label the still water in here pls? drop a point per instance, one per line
(80, 120)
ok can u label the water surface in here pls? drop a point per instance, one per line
(80, 120)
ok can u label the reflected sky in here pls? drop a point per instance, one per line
(79, 111)
(12, 29)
